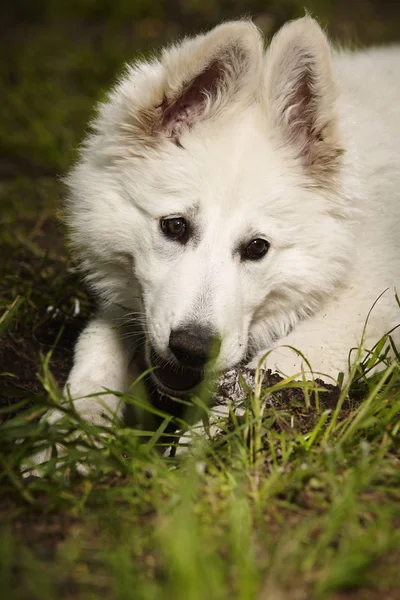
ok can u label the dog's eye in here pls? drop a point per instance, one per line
(175, 228)
(255, 250)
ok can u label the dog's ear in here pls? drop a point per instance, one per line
(301, 93)
(192, 81)
(203, 74)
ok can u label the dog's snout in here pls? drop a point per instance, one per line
(194, 345)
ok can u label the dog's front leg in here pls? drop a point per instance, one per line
(101, 362)
(101, 365)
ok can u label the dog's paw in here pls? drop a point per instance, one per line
(92, 413)
(50, 458)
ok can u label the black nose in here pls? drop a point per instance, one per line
(192, 345)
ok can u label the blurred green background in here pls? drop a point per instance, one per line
(57, 57)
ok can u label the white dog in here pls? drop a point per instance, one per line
(232, 200)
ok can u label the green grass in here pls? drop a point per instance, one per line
(289, 500)
(296, 499)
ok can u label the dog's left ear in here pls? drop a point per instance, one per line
(301, 93)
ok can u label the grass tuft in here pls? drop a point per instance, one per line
(277, 497)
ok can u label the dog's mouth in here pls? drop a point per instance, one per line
(172, 378)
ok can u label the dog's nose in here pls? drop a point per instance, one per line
(193, 345)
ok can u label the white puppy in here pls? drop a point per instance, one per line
(232, 200)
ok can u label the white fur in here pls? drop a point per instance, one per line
(246, 168)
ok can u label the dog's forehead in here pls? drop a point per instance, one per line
(226, 166)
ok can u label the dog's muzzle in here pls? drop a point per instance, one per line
(173, 378)
(192, 348)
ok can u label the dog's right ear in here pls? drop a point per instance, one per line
(193, 81)
(301, 94)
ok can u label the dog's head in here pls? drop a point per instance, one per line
(212, 188)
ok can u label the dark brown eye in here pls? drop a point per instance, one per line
(175, 228)
(255, 250)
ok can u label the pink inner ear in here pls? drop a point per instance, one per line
(300, 113)
(176, 116)
(190, 105)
